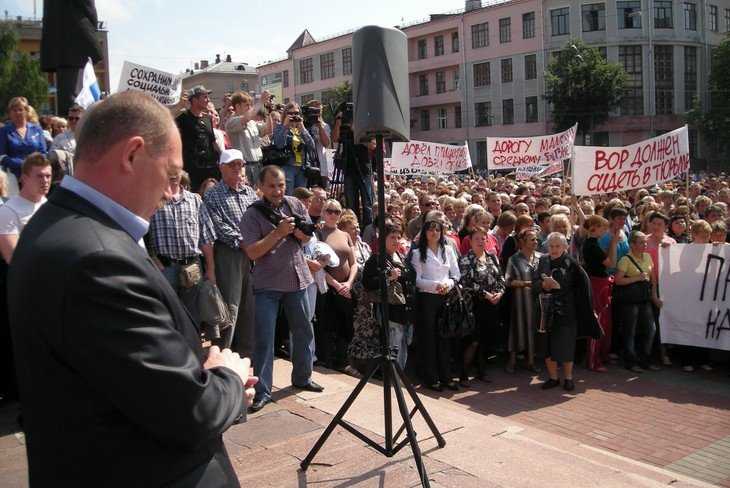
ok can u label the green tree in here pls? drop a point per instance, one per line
(339, 94)
(20, 75)
(582, 87)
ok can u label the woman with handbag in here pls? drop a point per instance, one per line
(633, 293)
(481, 277)
(437, 271)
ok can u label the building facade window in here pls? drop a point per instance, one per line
(508, 111)
(482, 154)
(632, 102)
(603, 52)
(438, 46)
(482, 76)
(690, 76)
(480, 35)
(425, 120)
(528, 25)
(347, 61)
(328, 96)
(690, 16)
(306, 71)
(457, 79)
(727, 20)
(531, 66)
(327, 66)
(306, 98)
(440, 82)
(531, 114)
(714, 20)
(483, 114)
(457, 116)
(506, 65)
(505, 30)
(422, 49)
(628, 15)
(664, 78)
(454, 42)
(560, 21)
(594, 17)
(441, 118)
(422, 85)
(285, 79)
(663, 15)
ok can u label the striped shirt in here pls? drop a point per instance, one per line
(181, 227)
(226, 207)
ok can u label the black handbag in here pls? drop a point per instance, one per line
(635, 293)
(456, 316)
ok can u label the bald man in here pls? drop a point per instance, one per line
(115, 387)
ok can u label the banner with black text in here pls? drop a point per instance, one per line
(515, 152)
(427, 158)
(160, 85)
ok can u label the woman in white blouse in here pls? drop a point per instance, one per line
(437, 270)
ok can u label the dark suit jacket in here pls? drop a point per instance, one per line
(69, 34)
(109, 362)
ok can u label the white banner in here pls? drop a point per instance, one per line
(427, 158)
(513, 152)
(598, 170)
(527, 172)
(160, 85)
(694, 284)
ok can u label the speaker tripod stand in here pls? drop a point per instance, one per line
(393, 376)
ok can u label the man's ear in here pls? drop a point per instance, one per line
(131, 152)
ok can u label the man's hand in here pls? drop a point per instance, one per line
(241, 366)
(394, 274)
(285, 227)
(301, 236)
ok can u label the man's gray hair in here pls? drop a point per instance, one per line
(557, 236)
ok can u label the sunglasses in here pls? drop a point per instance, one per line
(74, 118)
(292, 114)
(333, 211)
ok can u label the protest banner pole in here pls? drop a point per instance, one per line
(687, 182)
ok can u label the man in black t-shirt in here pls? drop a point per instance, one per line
(200, 156)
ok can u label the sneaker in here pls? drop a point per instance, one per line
(551, 383)
(706, 367)
(689, 368)
(636, 369)
(568, 385)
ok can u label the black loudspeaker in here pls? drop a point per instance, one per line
(380, 84)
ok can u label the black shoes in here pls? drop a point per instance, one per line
(436, 387)
(311, 386)
(259, 404)
(452, 385)
(551, 383)
(568, 385)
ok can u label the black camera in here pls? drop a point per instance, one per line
(311, 115)
(275, 217)
(346, 109)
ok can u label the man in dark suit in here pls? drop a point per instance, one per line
(114, 385)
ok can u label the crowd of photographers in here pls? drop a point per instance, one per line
(270, 256)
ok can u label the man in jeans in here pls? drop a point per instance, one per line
(281, 277)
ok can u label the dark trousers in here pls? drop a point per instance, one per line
(334, 328)
(638, 323)
(359, 197)
(8, 382)
(433, 351)
(68, 85)
(233, 274)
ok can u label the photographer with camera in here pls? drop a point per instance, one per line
(292, 137)
(274, 229)
(245, 132)
(320, 131)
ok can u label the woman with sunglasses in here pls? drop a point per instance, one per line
(437, 270)
(293, 137)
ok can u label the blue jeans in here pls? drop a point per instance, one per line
(294, 178)
(359, 194)
(296, 308)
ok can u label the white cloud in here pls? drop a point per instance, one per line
(114, 10)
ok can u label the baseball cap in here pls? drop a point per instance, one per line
(230, 155)
(198, 90)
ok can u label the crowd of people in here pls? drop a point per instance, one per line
(255, 225)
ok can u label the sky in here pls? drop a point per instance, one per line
(173, 34)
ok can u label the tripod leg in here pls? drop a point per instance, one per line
(419, 405)
(388, 382)
(340, 414)
(409, 428)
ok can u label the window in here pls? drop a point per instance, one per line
(482, 77)
(327, 66)
(692, 139)
(560, 21)
(508, 111)
(531, 109)
(285, 79)
(454, 42)
(594, 17)
(307, 98)
(480, 35)
(629, 15)
(457, 116)
(306, 72)
(727, 20)
(690, 76)
(600, 139)
(664, 78)
(425, 120)
(347, 61)
(506, 70)
(714, 21)
(457, 78)
(632, 102)
(438, 46)
(441, 118)
(422, 49)
(528, 25)
(690, 16)
(531, 66)
(422, 85)
(663, 14)
(482, 154)
(603, 52)
(328, 96)
(483, 114)
(440, 82)
(505, 30)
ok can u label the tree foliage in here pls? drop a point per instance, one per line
(20, 75)
(341, 93)
(582, 87)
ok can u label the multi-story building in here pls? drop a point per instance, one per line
(479, 71)
(221, 77)
(29, 41)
